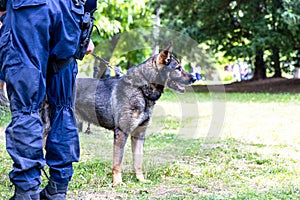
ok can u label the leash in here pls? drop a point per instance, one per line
(101, 59)
(47, 176)
(106, 63)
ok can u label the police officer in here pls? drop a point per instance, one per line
(37, 36)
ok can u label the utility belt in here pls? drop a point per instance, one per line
(3, 5)
(87, 24)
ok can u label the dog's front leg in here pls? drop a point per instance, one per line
(120, 139)
(137, 145)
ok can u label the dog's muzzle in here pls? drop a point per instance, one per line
(195, 77)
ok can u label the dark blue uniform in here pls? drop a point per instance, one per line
(1, 77)
(32, 32)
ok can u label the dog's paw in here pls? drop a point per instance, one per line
(147, 181)
(117, 184)
(117, 180)
(141, 178)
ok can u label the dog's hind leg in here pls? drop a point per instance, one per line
(120, 139)
(137, 145)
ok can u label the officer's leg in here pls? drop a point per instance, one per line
(24, 133)
(62, 146)
(22, 66)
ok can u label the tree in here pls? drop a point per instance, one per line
(241, 29)
(112, 18)
(116, 16)
(291, 16)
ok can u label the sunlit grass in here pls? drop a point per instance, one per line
(256, 156)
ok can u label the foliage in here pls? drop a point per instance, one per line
(262, 33)
(116, 16)
(113, 18)
(128, 35)
(4, 116)
(240, 29)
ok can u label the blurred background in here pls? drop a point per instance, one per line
(232, 40)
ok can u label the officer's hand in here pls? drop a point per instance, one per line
(90, 48)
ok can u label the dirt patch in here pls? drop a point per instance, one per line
(271, 85)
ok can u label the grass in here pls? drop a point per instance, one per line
(191, 97)
(4, 115)
(256, 156)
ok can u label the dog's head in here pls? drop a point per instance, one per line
(172, 73)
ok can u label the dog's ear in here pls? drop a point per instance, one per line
(165, 55)
(169, 47)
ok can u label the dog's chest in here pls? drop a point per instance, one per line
(144, 115)
(141, 108)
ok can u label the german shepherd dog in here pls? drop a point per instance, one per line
(125, 104)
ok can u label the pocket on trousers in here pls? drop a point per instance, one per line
(27, 3)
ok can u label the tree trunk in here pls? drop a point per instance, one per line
(276, 61)
(260, 67)
(156, 30)
(298, 58)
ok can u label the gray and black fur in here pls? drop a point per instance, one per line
(125, 104)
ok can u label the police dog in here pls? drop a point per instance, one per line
(125, 105)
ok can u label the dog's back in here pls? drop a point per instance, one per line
(93, 101)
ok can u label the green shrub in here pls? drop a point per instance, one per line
(4, 116)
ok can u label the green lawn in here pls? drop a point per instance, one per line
(199, 146)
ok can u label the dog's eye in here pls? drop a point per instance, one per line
(179, 68)
(168, 61)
